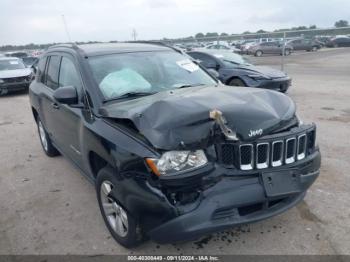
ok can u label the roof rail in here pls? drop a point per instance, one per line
(157, 43)
(72, 45)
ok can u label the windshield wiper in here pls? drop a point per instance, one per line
(130, 95)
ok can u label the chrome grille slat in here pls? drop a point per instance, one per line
(301, 151)
(262, 155)
(277, 146)
(290, 150)
(246, 154)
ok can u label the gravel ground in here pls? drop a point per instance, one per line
(47, 207)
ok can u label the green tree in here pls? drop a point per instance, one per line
(199, 35)
(223, 34)
(211, 34)
(261, 31)
(312, 27)
(341, 23)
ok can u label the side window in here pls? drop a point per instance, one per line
(41, 69)
(52, 72)
(206, 61)
(69, 75)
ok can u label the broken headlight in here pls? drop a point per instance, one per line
(172, 162)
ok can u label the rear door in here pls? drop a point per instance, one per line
(50, 84)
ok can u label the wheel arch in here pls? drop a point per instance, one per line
(235, 77)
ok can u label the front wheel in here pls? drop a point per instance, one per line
(45, 140)
(287, 52)
(122, 226)
(258, 53)
(236, 82)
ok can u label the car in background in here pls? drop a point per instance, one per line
(30, 61)
(304, 44)
(245, 48)
(341, 41)
(222, 47)
(18, 54)
(275, 47)
(234, 70)
(14, 75)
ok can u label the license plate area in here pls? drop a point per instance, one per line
(281, 183)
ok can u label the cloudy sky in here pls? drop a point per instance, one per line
(40, 21)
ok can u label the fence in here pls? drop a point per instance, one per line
(308, 33)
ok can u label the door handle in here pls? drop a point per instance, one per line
(55, 106)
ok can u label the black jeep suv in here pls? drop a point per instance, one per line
(173, 153)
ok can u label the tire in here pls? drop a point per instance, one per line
(122, 226)
(236, 82)
(287, 52)
(45, 140)
(258, 53)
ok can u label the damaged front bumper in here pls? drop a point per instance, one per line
(237, 188)
(236, 200)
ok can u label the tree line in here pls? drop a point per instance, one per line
(31, 46)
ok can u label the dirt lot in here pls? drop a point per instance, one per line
(47, 207)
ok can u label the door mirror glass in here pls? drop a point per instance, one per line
(66, 95)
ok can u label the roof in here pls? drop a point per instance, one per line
(108, 48)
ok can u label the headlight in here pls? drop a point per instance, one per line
(2, 81)
(172, 162)
(258, 77)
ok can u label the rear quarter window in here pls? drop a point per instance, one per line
(52, 72)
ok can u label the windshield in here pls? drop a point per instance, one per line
(145, 73)
(232, 59)
(11, 64)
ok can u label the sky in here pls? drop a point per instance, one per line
(40, 21)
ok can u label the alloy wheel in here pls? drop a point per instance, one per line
(42, 135)
(116, 216)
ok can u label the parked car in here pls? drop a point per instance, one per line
(246, 47)
(173, 153)
(14, 75)
(234, 70)
(304, 44)
(270, 48)
(30, 61)
(222, 47)
(17, 54)
(339, 42)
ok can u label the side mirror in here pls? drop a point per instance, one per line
(34, 70)
(213, 72)
(66, 95)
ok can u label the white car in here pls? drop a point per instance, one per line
(14, 75)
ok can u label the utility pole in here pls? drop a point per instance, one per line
(134, 34)
(283, 50)
(66, 29)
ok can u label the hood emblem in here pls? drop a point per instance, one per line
(217, 116)
(257, 132)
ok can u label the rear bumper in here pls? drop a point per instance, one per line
(234, 201)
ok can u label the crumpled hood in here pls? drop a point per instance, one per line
(15, 73)
(267, 71)
(181, 117)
